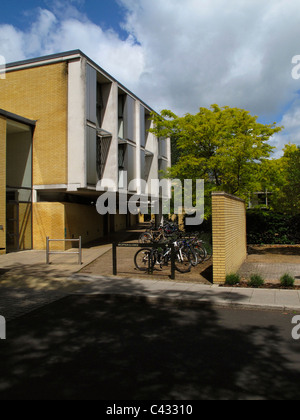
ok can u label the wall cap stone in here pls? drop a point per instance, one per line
(226, 195)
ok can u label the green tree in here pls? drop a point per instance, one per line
(290, 193)
(225, 146)
(271, 178)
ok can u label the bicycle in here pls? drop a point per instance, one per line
(158, 235)
(189, 248)
(162, 256)
(198, 246)
(201, 251)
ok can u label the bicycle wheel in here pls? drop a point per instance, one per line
(183, 261)
(141, 259)
(194, 257)
(201, 252)
(145, 238)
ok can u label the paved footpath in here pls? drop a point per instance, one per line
(270, 271)
(273, 299)
(29, 284)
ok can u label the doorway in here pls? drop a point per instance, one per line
(18, 221)
(18, 186)
(12, 226)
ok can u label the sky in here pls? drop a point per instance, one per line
(176, 54)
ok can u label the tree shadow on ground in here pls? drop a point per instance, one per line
(126, 268)
(132, 348)
(274, 250)
(26, 287)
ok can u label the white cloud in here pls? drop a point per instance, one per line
(230, 52)
(51, 33)
(182, 55)
(11, 43)
(233, 52)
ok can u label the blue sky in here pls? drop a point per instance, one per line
(106, 13)
(175, 54)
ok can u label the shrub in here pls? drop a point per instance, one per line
(269, 227)
(256, 281)
(233, 279)
(287, 280)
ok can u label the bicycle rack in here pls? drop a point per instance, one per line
(48, 252)
(137, 245)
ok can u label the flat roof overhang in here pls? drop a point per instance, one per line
(69, 56)
(18, 118)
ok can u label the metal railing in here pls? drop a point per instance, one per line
(48, 252)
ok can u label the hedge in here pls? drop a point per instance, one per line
(267, 227)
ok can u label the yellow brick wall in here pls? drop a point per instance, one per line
(84, 221)
(120, 222)
(2, 182)
(48, 220)
(65, 221)
(134, 220)
(229, 235)
(40, 94)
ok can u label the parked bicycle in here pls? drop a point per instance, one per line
(189, 244)
(198, 246)
(154, 235)
(161, 256)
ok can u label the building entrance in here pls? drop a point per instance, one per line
(12, 226)
(18, 187)
(18, 221)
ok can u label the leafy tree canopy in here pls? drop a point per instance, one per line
(225, 146)
(288, 197)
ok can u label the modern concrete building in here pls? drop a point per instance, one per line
(66, 124)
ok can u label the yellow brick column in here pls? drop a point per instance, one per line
(229, 235)
(2, 184)
(218, 234)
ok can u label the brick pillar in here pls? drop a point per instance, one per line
(229, 235)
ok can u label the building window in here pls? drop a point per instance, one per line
(121, 157)
(102, 151)
(100, 105)
(121, 164)
(126, 116)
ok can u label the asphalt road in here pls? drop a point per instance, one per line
(127, 348)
